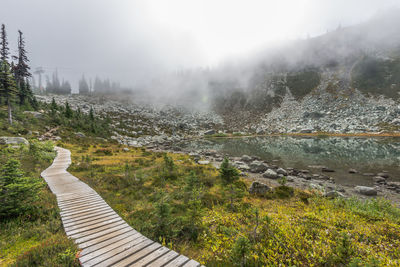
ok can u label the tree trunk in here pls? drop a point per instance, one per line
(9, 112)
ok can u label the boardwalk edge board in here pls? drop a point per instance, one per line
(104, 238)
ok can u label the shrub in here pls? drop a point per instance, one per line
(16, 191)
(42, 151)
(228, 173)
(283, 191)
(240, 250)
(57, 251)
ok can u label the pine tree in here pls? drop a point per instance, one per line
(8, 90)
(4, 44)
(229, 176)
(53, 106)
(83, 86)
(68, 110)
(7, 84)
(91, 114)
(17, 192)
(21, 71)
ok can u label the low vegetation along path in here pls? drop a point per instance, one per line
(104, 238)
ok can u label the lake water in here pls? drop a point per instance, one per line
(366, 155)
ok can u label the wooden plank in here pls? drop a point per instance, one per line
(164, 259)
(99, 234)
(94, 226)
(82, 206)
(179, 261)
(87, 213)
(104, 238)
(83, 209)
(191, 263)
(91, 222)
(98, 229)
(99, 216)
(95, 241)
(109, 241)
(109, 247)
(117, 254)
(80, 201)
(152, 256)
(132, 259)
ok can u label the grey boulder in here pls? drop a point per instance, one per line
(270, 174)
(258, 188)
(258, 166)
(246, 158)
(366, 190)
(281, 171)
(5, 140)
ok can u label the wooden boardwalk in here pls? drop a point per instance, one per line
(104, 238)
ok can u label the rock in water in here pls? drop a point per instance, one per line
(258, 188)
(383, 174)
(270, 174)
(209, 132)
(326, 169)
(365, 190)
(246, 158)
(204, 162)
(258, 166)
(379, 180)
(13, 140)
(282, 171)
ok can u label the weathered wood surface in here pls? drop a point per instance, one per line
(104, 238)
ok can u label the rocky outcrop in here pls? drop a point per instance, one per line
(5, 140)
(365, 190)
(271, 174)
(259, 188)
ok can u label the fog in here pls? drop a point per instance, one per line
(134, 42)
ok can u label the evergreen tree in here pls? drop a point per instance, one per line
(91, 114)
(65, 88)
(53, 106)
(21, 72)
(4, 44)
(17, 193)
(68, 110)
(229, 176)
(7, 84)
(228, 173)
(83, 86)
(8, 90)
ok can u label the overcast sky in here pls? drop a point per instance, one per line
(129, 40)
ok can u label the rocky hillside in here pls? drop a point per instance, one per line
(347, 80)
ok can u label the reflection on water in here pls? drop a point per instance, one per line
(340, 153)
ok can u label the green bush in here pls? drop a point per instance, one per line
(373, 209)
(42, 151)
(17, 192)
(57, 251)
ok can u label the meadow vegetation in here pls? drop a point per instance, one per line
(207, 214)
(31, 233)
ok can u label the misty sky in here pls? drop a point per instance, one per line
(129, 40)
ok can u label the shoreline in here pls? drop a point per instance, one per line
(298, 182)
(317, 134)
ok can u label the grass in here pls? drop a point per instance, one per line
(186, 207)
(35, 238)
